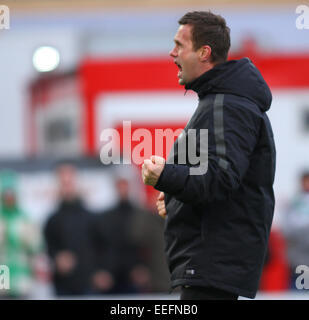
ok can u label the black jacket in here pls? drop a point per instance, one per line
(218, 223)
(69, 229)
(117, 251)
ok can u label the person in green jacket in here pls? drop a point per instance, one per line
(19, 239)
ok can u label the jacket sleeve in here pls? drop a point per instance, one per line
(232, 136)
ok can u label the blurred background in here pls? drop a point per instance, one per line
(71, 226)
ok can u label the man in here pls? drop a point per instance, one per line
(218, 222)
(129, 248)
(295, 228)
(116, 252)
(148, 234)
(20, 239)
(69, 239)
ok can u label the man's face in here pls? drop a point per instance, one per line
(185, 57)
(8, 199)
(305, 184)
(67, 182)
(122, 186)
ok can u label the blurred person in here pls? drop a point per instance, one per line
(275, 276)
(295, 228)
(148, 234)
(120, 265)
(20, 241)
(68, 238)
(218, 220)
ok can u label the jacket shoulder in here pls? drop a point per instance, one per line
(243, 104)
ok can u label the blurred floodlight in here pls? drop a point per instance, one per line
(46, 59)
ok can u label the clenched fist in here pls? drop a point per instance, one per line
(152, 169)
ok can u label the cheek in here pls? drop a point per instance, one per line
(190, 62)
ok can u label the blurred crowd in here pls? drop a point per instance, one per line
(119, 250)
(289, 242)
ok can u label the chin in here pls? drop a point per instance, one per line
(181, 82)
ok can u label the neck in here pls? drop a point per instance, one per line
(205, 67)
(202, 82)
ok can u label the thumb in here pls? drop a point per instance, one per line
(157, 160)
(147, 163)
(161, 196)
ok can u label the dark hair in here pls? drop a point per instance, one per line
(209, 29)
(305, 175)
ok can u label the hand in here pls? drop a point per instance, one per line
(161, 205)
(103, 280)
(141, 277)
(65, 262)
(152, 169)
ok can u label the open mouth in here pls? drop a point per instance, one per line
(179, 66)
(179, 69)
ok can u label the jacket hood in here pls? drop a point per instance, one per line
(239, 77)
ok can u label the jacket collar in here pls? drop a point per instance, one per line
(204, 83)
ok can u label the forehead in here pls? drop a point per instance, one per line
(183, 33)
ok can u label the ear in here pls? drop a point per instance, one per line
(205, 53)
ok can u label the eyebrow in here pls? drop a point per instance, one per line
(177, 42)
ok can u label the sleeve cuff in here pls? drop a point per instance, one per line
(172, 179)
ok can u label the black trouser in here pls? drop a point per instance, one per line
(205, 293)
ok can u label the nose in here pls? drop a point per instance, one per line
(173, 53)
